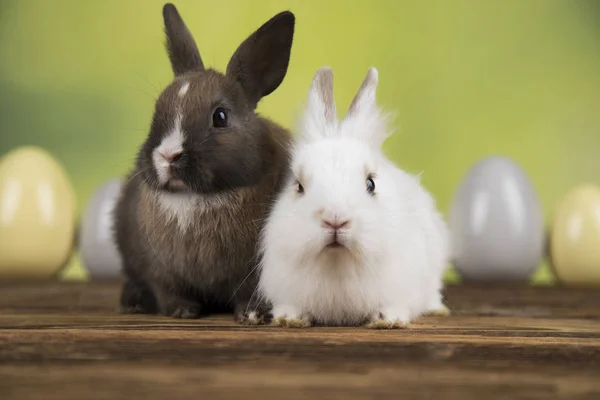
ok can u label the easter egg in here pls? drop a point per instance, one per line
(496, 223)
(37, 215)
(575, 237)
(96, 239)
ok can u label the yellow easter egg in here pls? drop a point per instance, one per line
(575, 237)
(37, 215)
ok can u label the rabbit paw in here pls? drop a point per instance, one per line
(188, 311)
(136, 298)
(254, 317)
(175, 305)
(442, 311)
(121, 309)
(437, 307)
(181, 308)
(247, 318)
(287, 316)
(249, 310)
(291, 322)
(388, 320)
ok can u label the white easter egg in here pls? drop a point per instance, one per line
(496, 223)
(97, 245)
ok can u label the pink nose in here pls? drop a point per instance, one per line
(171, 157)
(335, 224)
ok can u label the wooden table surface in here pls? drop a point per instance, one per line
(65, 341)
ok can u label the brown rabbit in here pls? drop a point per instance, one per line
(189, 216)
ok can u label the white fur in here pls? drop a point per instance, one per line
(396, 242)
(184, 206)
(183, 90)
(253, 317)
(171, 144)
(180, 206)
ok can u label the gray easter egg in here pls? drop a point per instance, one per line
(496, 223)
(96, 240)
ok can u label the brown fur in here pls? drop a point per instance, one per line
(233, 174)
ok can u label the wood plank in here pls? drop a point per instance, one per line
(65, 341)
(171, 382)
(517, 300)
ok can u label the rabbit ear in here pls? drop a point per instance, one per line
(364, 120)
(365, 99)
(320, 98)
(320, 117)
(260, 63)
(183, 53)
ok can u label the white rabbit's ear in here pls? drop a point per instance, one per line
(365, 99)
(320, 98)
(320, 117)
(364, 120)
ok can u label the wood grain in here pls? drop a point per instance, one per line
(65, 341)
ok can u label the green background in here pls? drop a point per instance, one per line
(466, 79)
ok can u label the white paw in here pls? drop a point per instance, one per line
(253, 318)
(290, 317)
(389, 319)
(291, 322)
(437, 308)
(442, 311)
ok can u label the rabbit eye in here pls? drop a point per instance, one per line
(219, 118)
(370, 185)
(299, 188)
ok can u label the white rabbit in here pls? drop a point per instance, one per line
(351, 239)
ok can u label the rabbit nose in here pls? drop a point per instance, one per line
(335, 224)
(171, 157)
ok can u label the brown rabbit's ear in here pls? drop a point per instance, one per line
(260, 63)
(183, 53)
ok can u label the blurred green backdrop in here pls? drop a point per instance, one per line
(467, 78)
